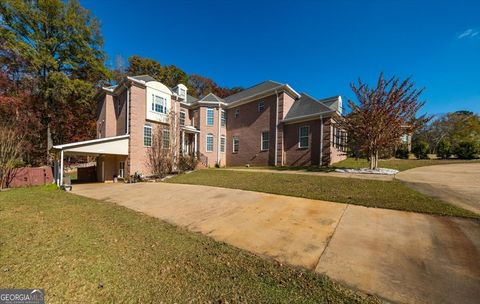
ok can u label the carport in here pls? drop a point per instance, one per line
(111, 154)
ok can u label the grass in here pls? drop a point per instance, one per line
(370, 193)
(397, 164)
(82, 250)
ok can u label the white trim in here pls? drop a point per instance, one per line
(233, 143)
(308, 136)
(92, 141)
(305, 117)
(276, 130)
(151, 135)
(224, 144)
(206, 142)
(262, 140)
(206, 117)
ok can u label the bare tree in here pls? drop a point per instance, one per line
(382, 115)
(10, 152)
(163, 155)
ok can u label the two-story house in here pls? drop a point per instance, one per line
(266, 124)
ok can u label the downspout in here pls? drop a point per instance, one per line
(218, 135)
(276, 129)
(321, 141)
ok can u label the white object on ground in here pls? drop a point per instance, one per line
(385, 171)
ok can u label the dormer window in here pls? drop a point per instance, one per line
(182, 92)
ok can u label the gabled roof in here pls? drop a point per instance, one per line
(259, 89)
(211, 98)
(306, 106)
(191, 99)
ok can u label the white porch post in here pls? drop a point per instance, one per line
(61, 167)
(195, 145)
(183, 142)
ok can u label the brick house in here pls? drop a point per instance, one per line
(266, 124)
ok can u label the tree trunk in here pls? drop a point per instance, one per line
(373, 164)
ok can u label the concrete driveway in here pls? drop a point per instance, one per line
(399, 256)
(458, 184)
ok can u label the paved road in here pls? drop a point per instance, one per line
(458, 184)
(399, 256)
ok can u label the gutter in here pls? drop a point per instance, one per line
(276, 129)
(306, 117)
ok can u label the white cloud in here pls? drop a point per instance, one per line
(469, 33)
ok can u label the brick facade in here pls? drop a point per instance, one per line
(247, 126)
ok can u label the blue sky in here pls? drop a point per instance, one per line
(318, 47)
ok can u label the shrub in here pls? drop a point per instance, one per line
(402, 152)
(466, 150)
(188, 162)
(420, 149)
(444, 149)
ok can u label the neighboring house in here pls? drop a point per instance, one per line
(266, 124)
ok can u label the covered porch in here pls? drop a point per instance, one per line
(111, 155)
(189, 139)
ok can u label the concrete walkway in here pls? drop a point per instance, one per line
(458, 184)
(382, 177)
(399, 256)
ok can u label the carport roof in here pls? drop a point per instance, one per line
(117, 145)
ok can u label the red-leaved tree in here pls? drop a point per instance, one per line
(382, 114)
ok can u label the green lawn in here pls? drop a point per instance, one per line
(370, 193)
(87, 251)
(398, 164)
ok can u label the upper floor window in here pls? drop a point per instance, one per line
(236, 144)
(224, 118)
(261, 106)
(237, 113)
(265, 140)
(182, 118)
(303, 136)
(209, 142)
(166, 139)
(147, 136)
(182, 92)
(210, 116)
(159, 104)
(223, 140)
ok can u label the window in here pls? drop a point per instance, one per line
(147, 136)
(265, 140)
(236, 144)
(237, 113)
(166, 139)
(209, 142)
(224, 119)
(303, 137)
(182, 92)
(210, 117)
(261, 106)
(182, 118)
(159, 104)
(222, 143)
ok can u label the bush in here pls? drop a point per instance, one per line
(444, 149)
(466, 150)
(420, 149)
(188, 162)
(402, 152)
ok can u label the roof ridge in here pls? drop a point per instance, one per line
(256, 85)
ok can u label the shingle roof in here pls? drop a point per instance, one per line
(191, 99)
(145, 78)
(212, 98)
(254, 90)
(304, 106)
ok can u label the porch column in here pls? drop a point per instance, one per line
(61, 167)
(195, 145)
(183, 142)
